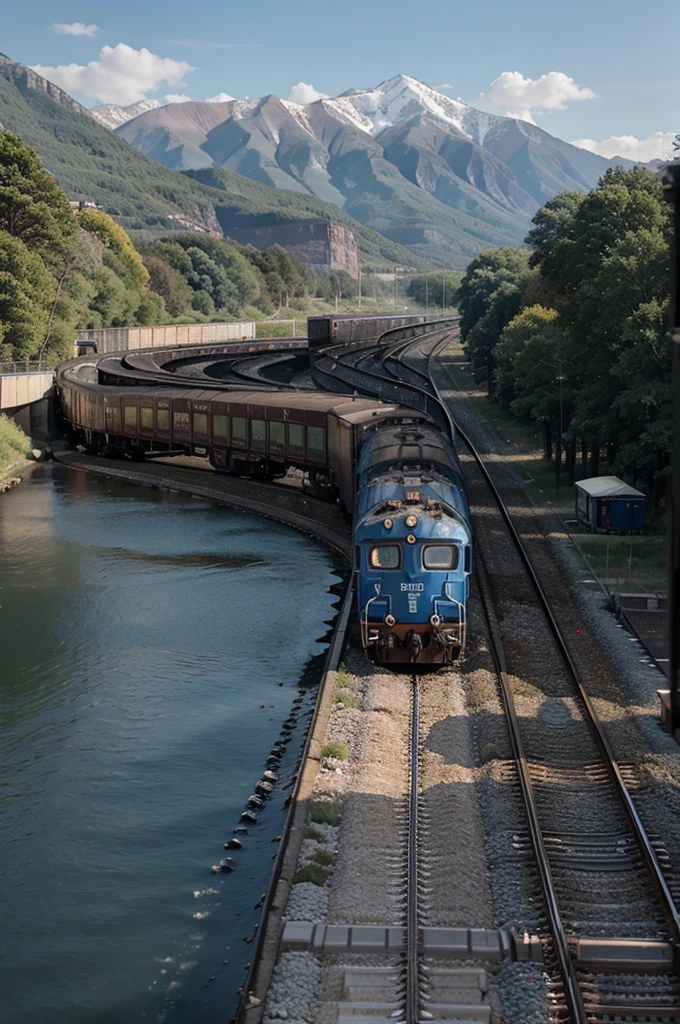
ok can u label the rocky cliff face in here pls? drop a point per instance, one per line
(25, 78)
(319, 243)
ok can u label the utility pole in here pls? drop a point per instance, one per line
(558, 446)
(359, 287)
(443, 291)
(427, 297)
(671, 184)
(394, 294)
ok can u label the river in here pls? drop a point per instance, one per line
(152, 646)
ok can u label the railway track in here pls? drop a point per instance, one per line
(612, 928)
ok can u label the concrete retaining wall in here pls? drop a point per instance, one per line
(123, 339)
(19, 389)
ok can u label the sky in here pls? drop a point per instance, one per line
(601, 73)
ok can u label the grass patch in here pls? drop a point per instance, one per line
(324, 858)
(479, 693)
(275, 329)
(525, 689)
(313, 833)
(311, 873)
(627, 563)
(337, 749)
(342, 679)
(488, 753)
(323, 812)
(14, 445)
(348, 699)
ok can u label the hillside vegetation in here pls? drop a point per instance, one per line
(572, 334)
(60, 271)
(149, 200)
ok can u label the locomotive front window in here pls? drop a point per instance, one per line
(385, 556)
(440, 556)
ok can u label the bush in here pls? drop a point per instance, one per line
(348, 699)
(311, 873)
(342, 677)
(337, 749)
(324, 858)
(488, 752)
(324, 813)
(313, 833)
(13, 441)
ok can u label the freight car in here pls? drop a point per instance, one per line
(323, 331)
(412, 546)
(259, 433)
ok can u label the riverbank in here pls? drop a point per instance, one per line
(15, 453)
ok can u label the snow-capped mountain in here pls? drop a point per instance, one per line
(112, 116)
(423, 169)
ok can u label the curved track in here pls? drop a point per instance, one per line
(582, 993)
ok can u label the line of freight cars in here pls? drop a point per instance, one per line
(389, 465)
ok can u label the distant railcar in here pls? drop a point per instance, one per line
(323, 331)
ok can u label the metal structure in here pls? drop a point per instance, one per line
(671, 183)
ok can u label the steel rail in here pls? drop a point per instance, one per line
(654, 870)
(412, 943)
(670, 913)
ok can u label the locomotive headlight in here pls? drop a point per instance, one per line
(390, 620)
(411, 539)
(388, 524)
(411, 521)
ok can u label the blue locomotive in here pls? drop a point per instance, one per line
(412, 546)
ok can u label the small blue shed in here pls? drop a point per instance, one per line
(608, 505)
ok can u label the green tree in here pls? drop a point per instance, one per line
(116, 241)
(32, 206)
(26, 292)
(490, 295)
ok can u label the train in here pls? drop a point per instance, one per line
(412, 546)
(323, 331)
(390, 467)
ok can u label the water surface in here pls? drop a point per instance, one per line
(152, 645)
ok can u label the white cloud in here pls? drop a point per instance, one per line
(76, 29)
(657, 146)
(121, 75)
(221, 97)
(176, 97)
(521, 96)
(304, 93)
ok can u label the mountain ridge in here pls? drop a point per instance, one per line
(90, 162)
(427, 171)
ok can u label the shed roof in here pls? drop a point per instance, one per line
(608, 487)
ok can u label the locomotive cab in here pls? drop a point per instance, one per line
(412, 553)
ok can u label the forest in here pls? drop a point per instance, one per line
(571, 332)
(61, 270)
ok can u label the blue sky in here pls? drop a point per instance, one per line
(620, 56)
